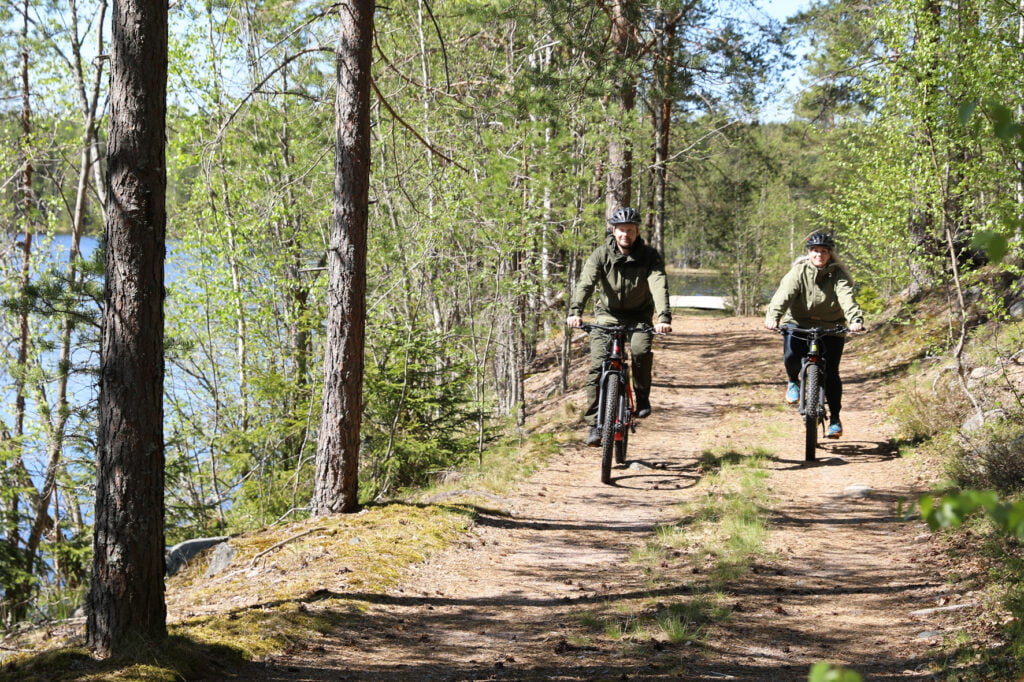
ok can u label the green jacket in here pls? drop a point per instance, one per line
(811, 297)
(631, 287)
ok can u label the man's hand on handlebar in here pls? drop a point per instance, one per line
(772, 325)
(574, 321)
(662, 328)
(856, 327)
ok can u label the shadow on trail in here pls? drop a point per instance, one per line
(775, 650)
(647, 474)
(577, 669)
(842, 453)
(745, 383)
(534, 523)
(864, 450)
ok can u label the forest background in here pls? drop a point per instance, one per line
(503, 134)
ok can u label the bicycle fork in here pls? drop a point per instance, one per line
(623, 419)
(612, 370)
(813, 357)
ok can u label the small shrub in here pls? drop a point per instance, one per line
(991, 457)
(922, 411)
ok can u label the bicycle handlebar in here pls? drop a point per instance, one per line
(807, 332)
(587, 326)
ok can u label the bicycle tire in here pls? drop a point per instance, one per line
(812, 410)
(611, 412)
(622, 443)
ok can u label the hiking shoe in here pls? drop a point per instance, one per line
(593, 438)
(793, 393)
(643, 408)
(835, 429)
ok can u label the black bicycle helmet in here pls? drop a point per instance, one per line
(625, 215)
(821, 239)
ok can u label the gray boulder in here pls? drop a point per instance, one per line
(1017, 310)
(177, 557)
(223, 554)
(976, 421)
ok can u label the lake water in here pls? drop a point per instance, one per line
(697, 283)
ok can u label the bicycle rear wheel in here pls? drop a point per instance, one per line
(812, 409)
(611, 418)
(623, 442)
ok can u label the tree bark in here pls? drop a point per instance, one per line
(126, 607)
(337, 455)
(662, 121)
(619, 178)
(17, 595)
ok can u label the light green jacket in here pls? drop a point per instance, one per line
(631, 287)
(810, 297)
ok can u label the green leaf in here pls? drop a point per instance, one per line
(826, 672)
(994, 244)
(926, 504)
(966, 110)
(1003, 125)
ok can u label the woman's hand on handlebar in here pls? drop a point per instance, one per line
(574, 321)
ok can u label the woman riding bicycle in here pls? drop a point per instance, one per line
(816, 292)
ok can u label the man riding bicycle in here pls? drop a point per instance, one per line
(816, 292)
(630, 276)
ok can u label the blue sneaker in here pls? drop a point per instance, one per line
(835, 429)
(793, 393)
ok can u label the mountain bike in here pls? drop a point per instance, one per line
(616, 405)
(813, 376)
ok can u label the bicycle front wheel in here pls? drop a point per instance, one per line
(611, 419)
(622, 442)
(812, 409)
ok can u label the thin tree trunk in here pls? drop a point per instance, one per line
(337, 456)
(619, 177)
(17, 595)
(662, 129)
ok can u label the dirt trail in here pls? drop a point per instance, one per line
(840, 586)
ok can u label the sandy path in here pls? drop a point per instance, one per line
(840, 584)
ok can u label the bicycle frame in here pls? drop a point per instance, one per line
(811, 406)
(616, 368)
(616, 406)
(813, 357)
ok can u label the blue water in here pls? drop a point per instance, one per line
(52, 255)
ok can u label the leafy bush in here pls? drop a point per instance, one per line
(870, 300)
(991, 457)
(923, 410)
(268, 495)
(419, 416)
(950, 510)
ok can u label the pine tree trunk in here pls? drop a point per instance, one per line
(337, 455)
(126, 600)
(619, 178)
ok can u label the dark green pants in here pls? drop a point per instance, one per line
(641, 366)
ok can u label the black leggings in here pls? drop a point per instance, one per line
(793, 351)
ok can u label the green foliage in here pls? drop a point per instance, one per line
(419, 418)
(991, 456)
(922, 412)
(950, 510)
(826, 672)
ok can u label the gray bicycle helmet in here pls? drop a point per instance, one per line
(821, 239)
(625, 215)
